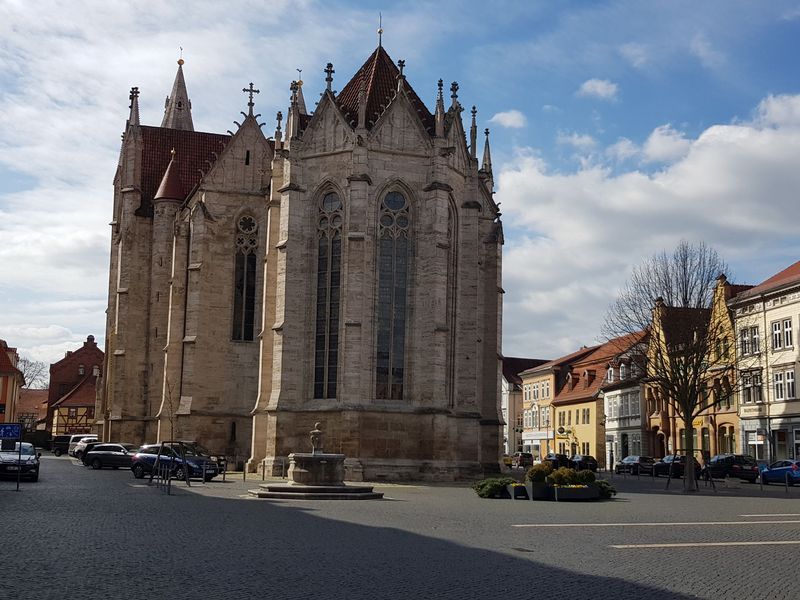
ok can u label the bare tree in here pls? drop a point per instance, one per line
(36, 372)
(690, 365)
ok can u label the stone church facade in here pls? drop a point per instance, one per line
(346, 270)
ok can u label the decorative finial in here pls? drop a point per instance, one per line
(441, 86)
(278, 118)
(474, 112)
(134, 94)
(380, 29)
(299, 80)
(250, 91)
(486, 132)
(329, 76)
(454, 92)
(401, 64)
(180, 59)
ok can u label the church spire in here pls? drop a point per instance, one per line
(439, 117)
(133, 118)
(486, 167)
(299, 99)
(473, 136)
(170, 187)
(178, 107)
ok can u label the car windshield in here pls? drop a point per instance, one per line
(130, 447)
(27, 450)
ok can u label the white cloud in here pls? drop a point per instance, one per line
(574, 236)
(636, 54)
(665, 144)
(510, 118)
(598, 88)
(579, 141)
(702, 49)
(622, 150)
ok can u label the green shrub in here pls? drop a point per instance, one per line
(493, 486)
(538, 473)
(606, 489)
(563, 476)
(585, 476)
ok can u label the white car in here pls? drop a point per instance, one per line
(22, 463)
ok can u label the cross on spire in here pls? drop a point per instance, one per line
(250, 91)
(329, 75)
(454, 92)
(401, 64)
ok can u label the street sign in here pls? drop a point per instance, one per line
(10, 431)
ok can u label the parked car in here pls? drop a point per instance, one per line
(677, 464)
(584, 461)
(22, 462)
(198, 462)
(742, 466)
(79, 448)
(77, 438)
(522, 459)
(111, 455)
(60, 443)
(779, 471)
(556, 460)
(635, 465)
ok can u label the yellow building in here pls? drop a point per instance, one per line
(11, 380)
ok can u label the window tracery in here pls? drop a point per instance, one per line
(329, 259)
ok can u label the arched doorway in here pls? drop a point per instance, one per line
(659, 443)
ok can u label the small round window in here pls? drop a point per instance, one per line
(247, 224)
(331, 202)
(394, 201)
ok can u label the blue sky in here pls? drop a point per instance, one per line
(618, 128)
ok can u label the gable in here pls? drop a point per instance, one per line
(244, 164)
(399, 128)
(327, 131)
(458, 157)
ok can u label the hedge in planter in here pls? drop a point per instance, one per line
(493, 487)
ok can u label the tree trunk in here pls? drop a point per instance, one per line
(689, 481)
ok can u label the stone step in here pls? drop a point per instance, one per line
(316, 489)
(303, 495)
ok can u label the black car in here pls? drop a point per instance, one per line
(556, 460)
(60, 444)
(583, 461)
(674, 464)
(635, 465)
(111, 455)
(741, 466)
(198, 463)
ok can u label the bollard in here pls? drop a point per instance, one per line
(263, 471)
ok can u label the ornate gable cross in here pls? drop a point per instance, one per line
(250, 91)
(329, 75)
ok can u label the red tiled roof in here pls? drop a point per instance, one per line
(194, 150)
(790, 274)
(170, 188)
(83, 394)
(379, 74)
(513, 366)
(32, 401)
(588, 374)
(578, 354)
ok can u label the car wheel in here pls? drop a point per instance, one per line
(58, 452)
(78, 455)
(138, 471)
(180, 474)
(35, 477)
(97, 464)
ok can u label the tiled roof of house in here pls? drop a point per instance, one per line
(6, 366)
(32, 401)
(788, 276)
(513, 366)
(195, 151)
(587, 375)
(83, 394)
(379, 75)
(577, 355)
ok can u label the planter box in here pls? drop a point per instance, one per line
(539, 490)
(518, 492)
(590, 492)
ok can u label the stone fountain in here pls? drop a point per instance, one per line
(316, 475)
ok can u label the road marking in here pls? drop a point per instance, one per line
(688, 523)
(704, 544)
(774, 515)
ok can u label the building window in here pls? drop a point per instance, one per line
(777, 385)
(585, 449)
(394, 252)
(72, 413)
(744, 342)
(2, 409)
(790, 393)
(622, 372)
(244, 287)
(546, 393)
(787, 333)
(610, 374)
(329, 260)
(777, 336)
(81, 370)
(755, 342)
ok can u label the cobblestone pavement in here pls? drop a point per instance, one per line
(102, 534)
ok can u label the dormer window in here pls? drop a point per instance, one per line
(81, 370)
(622, 372)
(610, 376)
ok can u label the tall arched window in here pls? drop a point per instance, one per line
(329, 261)
(394, 251)
(244, 288)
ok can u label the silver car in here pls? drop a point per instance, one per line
(23, 463)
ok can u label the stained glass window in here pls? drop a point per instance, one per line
(244, 285)
(393, 269)
(329, 260)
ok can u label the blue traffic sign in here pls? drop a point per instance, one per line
(10, 431)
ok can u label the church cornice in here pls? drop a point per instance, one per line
(291, 187)
(360, 177)
(437, 185)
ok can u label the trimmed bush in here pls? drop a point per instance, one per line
(538, 473)
(491, 487)
(585, 476)
(606, 489)
(563, 476)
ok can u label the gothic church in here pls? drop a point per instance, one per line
(346, 270)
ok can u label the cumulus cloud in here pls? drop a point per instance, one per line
(622, 150)
(579, 141)
(513, 119)
(665, 144)
(584, 230)
(598, 88)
